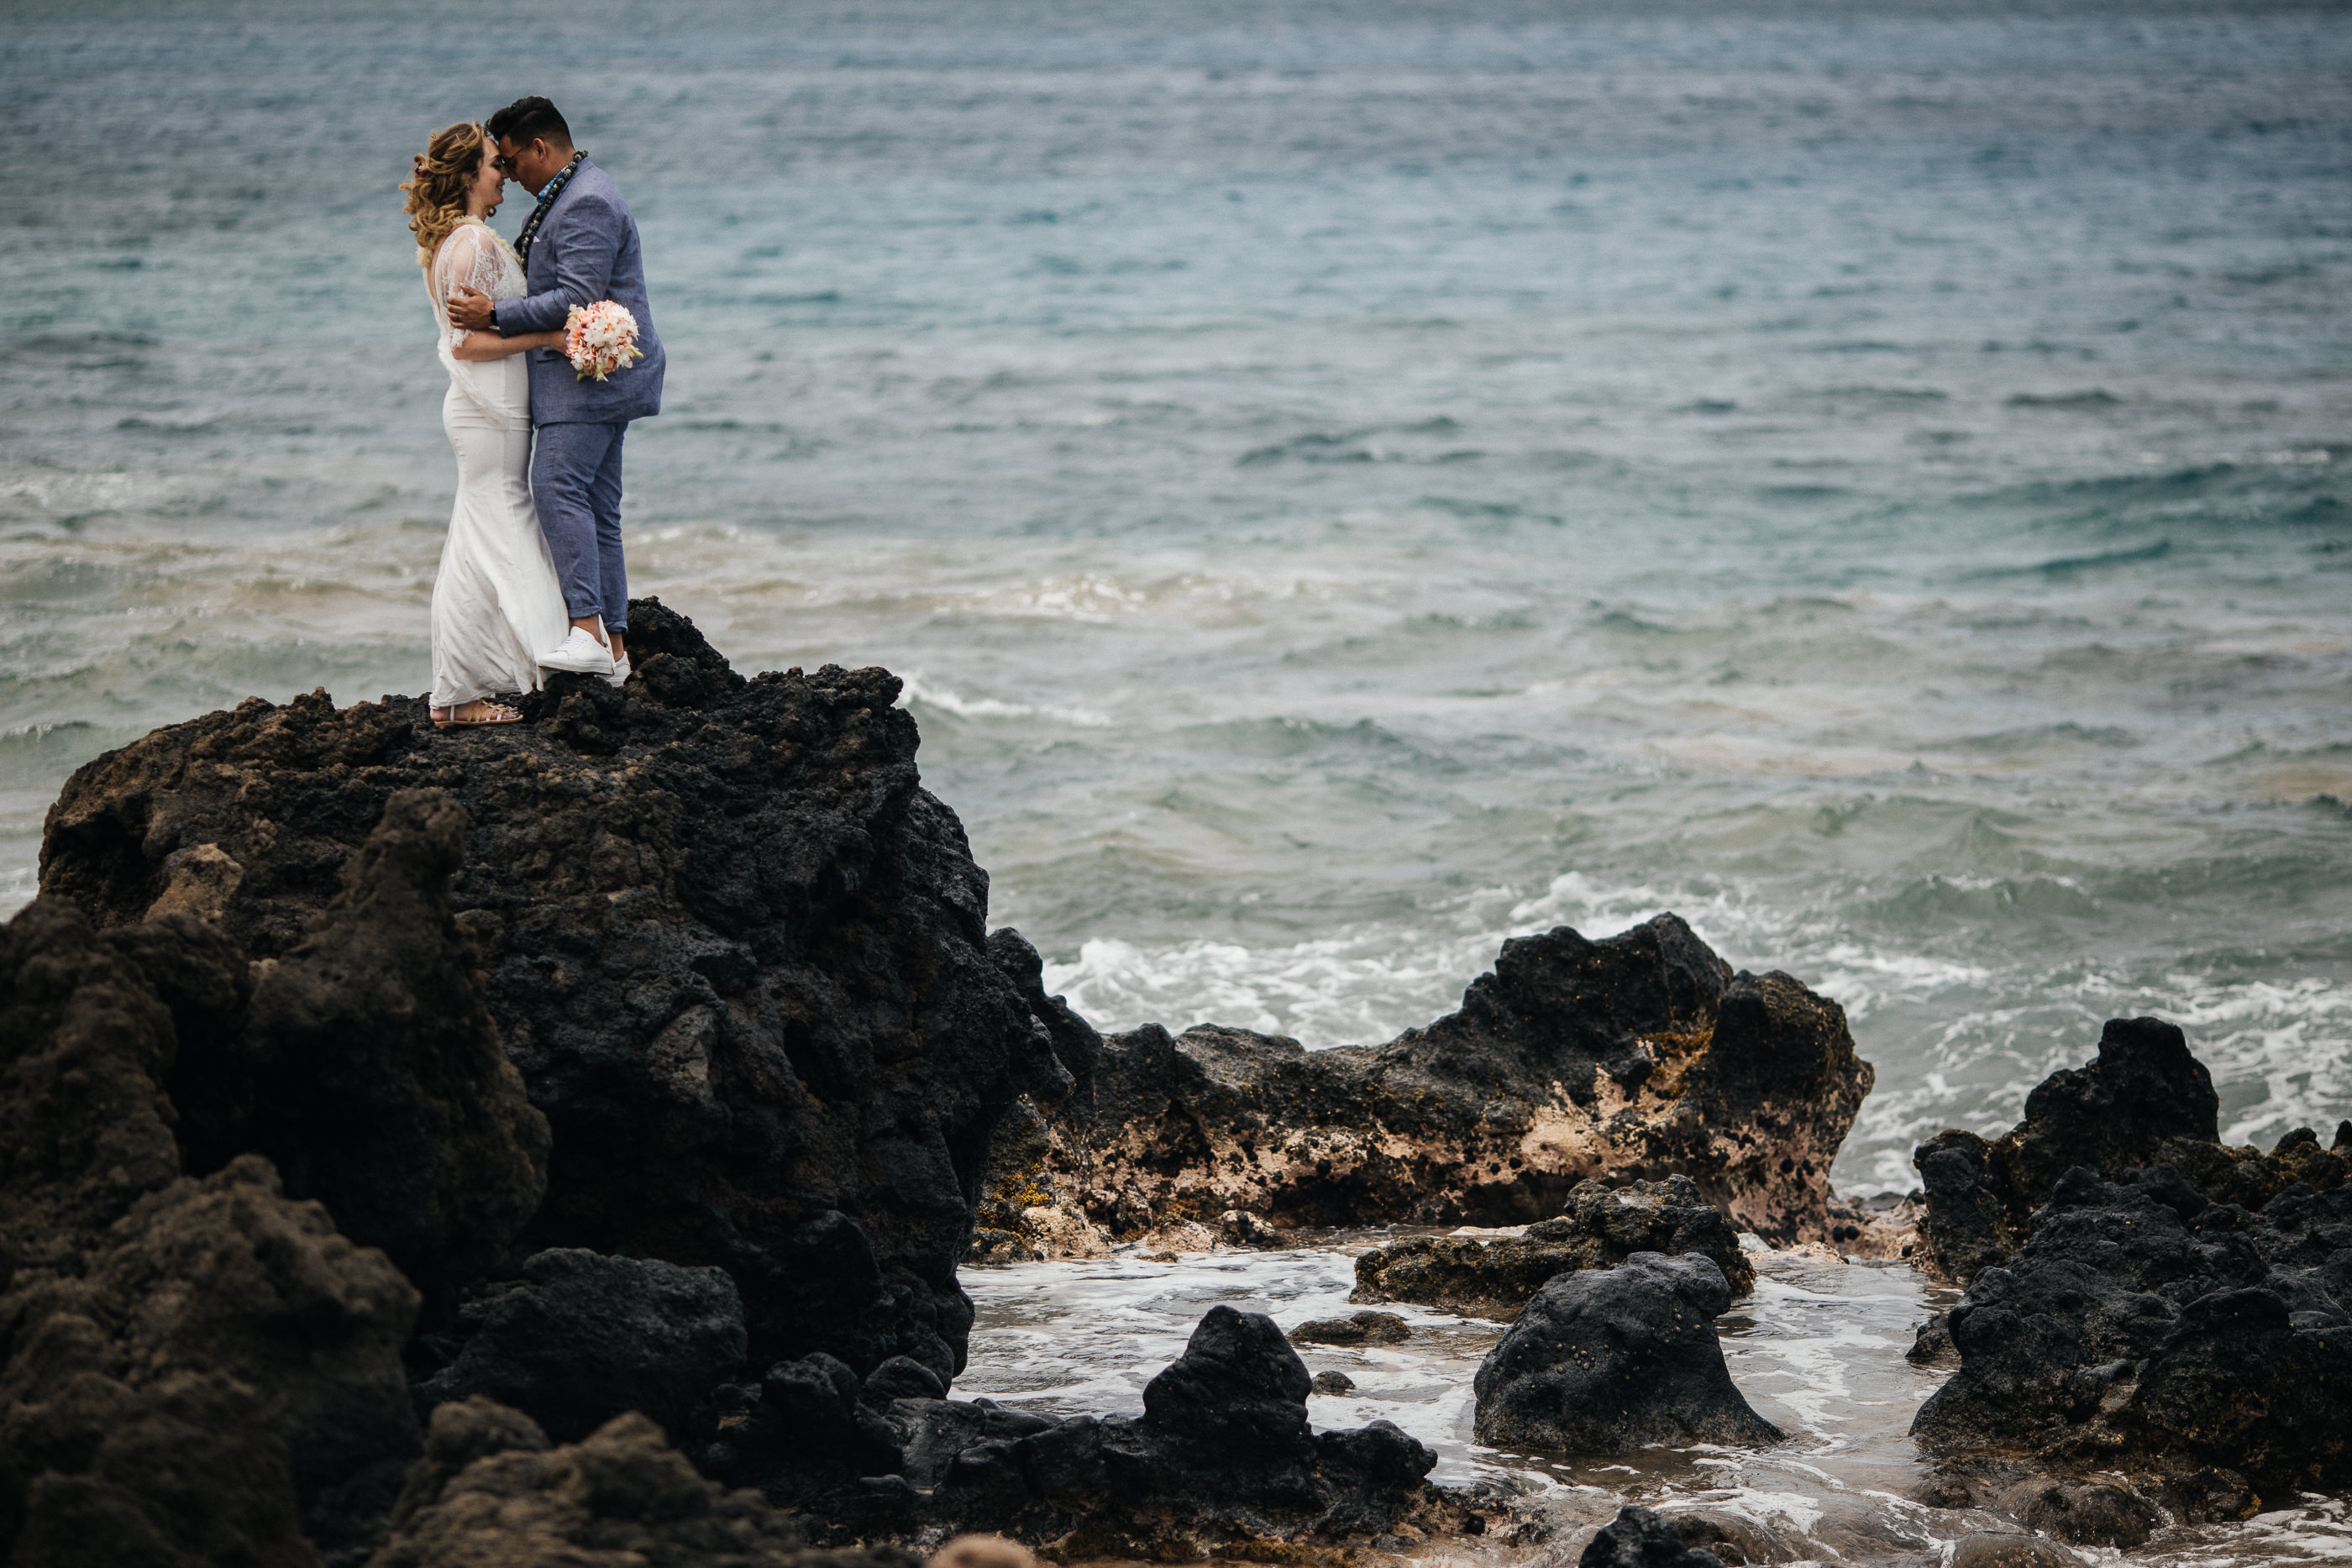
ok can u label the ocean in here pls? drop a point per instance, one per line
(1343, 485)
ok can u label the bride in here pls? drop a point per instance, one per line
(496, 601)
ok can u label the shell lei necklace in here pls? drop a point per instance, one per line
(546, 200)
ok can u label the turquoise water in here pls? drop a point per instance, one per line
(1343, 484)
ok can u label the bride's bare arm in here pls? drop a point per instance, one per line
(491, 345)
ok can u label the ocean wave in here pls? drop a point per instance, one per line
(914, 690)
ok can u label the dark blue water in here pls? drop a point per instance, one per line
(1345, 484)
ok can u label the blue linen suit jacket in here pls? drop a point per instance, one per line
(586, 250)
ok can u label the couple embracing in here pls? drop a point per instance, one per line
(532, 578)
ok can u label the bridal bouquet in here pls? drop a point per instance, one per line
(600, 339)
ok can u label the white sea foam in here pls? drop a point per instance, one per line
(915, 689)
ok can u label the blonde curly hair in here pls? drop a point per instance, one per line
(436, 191)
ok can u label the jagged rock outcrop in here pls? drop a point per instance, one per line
(492, 1490)
(368, 1071)
(2142, 1326)
(193, 1370)
(2144, 1100)
(578, 1338)
(739, 955)
(1603, 1227)
(1607, 1361)
(1641, 1055)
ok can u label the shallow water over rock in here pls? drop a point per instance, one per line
(1818, 1350)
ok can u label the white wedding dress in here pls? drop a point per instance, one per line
(496, 604)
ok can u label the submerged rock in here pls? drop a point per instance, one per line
(1356, 1328)
(738, 953)
(1638, 1538)
(1603, 1227)
(1607, 1361)
(1999, 1549)
(1641, 1055)
(2090, 1511)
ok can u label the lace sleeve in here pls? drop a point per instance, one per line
(467, 258)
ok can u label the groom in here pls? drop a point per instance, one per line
(578, 248)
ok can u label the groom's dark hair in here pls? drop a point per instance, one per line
(525, 120)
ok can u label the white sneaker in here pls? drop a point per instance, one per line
(581, 653)
(620, 670)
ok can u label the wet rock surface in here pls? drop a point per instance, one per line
(1638, 1538)
(2002, 1548)
(1609, 1361)
(1356, 1328)
(1601, 1227)
(738, 953)
(1641, 1055)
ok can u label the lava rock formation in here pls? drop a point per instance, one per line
(1641, 1055)
(655, 1037)
(2144, 1325)
(738, 953)
(2142, 1101)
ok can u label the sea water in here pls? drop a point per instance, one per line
(1343, 485)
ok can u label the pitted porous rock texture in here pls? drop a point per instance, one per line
(2144, 1100)
(192, 1370)
(2144, 1326)
(1221, 1459)
(579, 1338)
(1609, 1361)
(1643, 1055)
(492, 1492)
(368, 1069)
(1603, 1227)
(739, 955)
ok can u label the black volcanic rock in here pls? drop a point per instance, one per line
(1603, 1227)
(580, 1338)
(1223, 1454)
(192, 1370)
(2144, 1100)
(1641, 1055)
(1607, 1361)
(1638, 1538)
(491, 1489)
(1356, 1328)
(368, 1069)
(2143, 1323)
(739, 955)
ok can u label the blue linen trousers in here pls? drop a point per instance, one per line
(575, 482)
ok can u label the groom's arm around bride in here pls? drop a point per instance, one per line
(580, 247)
